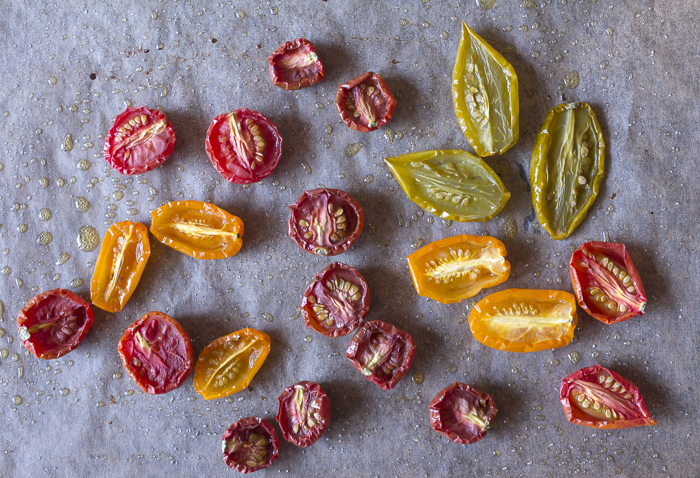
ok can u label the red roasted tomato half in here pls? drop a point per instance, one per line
(249, 445)
(296, 65)
(365, 103)
(462, 413)
(304, 413)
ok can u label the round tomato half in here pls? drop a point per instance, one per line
(365, 103)
(296, 65)
(249, 445)
(462, 413)
(304, 413)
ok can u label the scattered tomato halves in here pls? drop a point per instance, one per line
(304, 413)
(296, 65)
(249, 445)
(462, 413)
(365, 103)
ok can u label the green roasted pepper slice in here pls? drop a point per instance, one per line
(567, 167)
(451, 184)
(485, 95)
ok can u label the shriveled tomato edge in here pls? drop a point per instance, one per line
(35, 301)
(305, 82)
(252, 423)
(436, 421)
(325, 407)
(345, 115)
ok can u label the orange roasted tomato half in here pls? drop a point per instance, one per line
(198, 229)
(458, 267)
(524, 320)
(123, 256)
(228, 364)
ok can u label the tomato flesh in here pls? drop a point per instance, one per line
(462, 413)
(249, 445)
(365, 103)
(304, 413)
(296, 65)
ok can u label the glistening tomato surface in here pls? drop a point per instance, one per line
(244, 146)
(139, 140)
(599, 398)
(53, 323)
(606, 283)
(365, 103)
(250, 444)
(304, 413)
(462, 413)
(453, 269)
(296, 65)
(336, 302)
(156, 353)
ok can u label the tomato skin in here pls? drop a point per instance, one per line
(296, 65)
(370, 97)
(244, 441)
(43, 322)
(292, 415)
(460, 399)
(143, 156)
(627, 402)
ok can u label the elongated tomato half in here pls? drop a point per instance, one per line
(198, 229)
(304, 413)
(524, 320)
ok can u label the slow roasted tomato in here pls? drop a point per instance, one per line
(606, 283)
(462, 413)
(453, 269)
(198, 229)
(325, 221)
(139, 140)
(250, 444)
(156, 353)
(599, 398)
(123, 256)
(228, 364)
(53, 323)
(382, 353)
(296, 65)
(244, 146)
(365, 103)
(304, 413)
(523, 320)
(336, 302)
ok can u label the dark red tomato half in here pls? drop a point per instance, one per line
(296, 65)
(336, 302)
(249, 445)
(606, 283)
(325, 221)
(304, 413)
(462, 413)
(244, 146)
(53, 323)
(156, 353)
(382, 353)
(139, 140)
(365, 103)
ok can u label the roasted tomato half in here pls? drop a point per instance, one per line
(156, 353)
(606, 283)
(382, 353)
(244, 146)
(304, 413)
(365, 103)
(139, 140)
(453, 269)
(198, 229)
(524, 320)
(325, 221)
(123, 256)
(296, 65)
(336, 302)
(250, 444)
(53, 323)
(599, 398)
(228, 364)
(462, 413)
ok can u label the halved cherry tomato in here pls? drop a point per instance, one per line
(304, 413)
(198, 229)
(462, 413)
(336, 302)
(244, 146)
(140, 140)
(156, 353)
(123, 256)
(382, 353)
(249, 445)
(365, 103)
(524, 320)
(53, 323)
(453, 269)
(606, 283)
(325, 221)
(599, 398)
(296, 65)
(228, 364)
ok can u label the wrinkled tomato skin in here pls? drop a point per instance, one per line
(626, 399)
(54, 307)
(147, 154)
(452, 401)
(296, 65)
(380, 102)
(310, 425)
(588, 273)
(244, 440)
